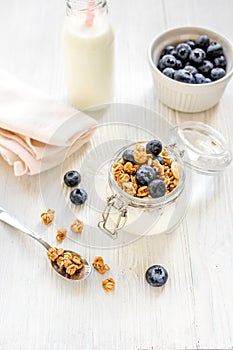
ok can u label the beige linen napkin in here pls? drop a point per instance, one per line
(36, 132)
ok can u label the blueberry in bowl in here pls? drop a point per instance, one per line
(191, 69)
(183, 76)
(179, 64)
(197, 56)
(189, 64)
(167, 61)
(206, 67)
(191, 43)
(217, 73)
(168, 50)
(183, 51)
(220, 62)
(203, 41)
(199, 78)
(169, 72)
(207, 50)
(215, 49)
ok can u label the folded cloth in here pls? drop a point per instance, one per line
(36, 132)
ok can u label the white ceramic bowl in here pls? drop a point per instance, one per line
(181, 96)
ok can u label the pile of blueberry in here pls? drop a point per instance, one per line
(194, 62)
(71, 179)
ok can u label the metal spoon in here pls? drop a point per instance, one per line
(84, 272)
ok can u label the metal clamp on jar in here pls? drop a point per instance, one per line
(114, 202)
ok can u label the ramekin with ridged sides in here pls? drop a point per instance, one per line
(182, 96)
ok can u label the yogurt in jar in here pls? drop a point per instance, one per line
(89, 58)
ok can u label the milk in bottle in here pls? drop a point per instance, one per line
(88, 42)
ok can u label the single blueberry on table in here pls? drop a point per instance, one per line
(169, 72)
(217, 73)
(183, 51)
(183, 76)
(145, 174)
(167, 61)
(203, 41)
(214, 50)
(206, 67)
(72, 178)
(220, 62)
(199, 78)
(197, 56)
(156, 276)
(128, 156)
(154, 147)
(157, 188)
(78, 196)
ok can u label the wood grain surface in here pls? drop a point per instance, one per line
(194, 310)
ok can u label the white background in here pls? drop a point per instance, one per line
(38, 310)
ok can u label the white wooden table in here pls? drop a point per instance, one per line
(38, 310)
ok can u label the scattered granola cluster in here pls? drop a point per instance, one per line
(99, 265)
(109, 283)
(77, 226)
(61, 234)
(67, 263)
(147, 171)
(48, 217)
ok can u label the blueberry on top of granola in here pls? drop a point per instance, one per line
(154, 147)
(157, 188)
(146, 171)
(145, 174)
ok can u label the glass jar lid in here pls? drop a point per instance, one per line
(202, 147)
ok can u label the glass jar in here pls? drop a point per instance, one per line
(192, 144)
(88, 43)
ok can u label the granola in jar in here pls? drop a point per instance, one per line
(147, 171)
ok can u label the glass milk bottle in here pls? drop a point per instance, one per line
(88, 42)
